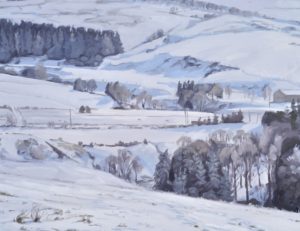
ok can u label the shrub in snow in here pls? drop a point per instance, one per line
(173, 10)
(82, 109)
(235, 117)
(51, 124)
(156, 35)
(56, 79)
(8, 71)
(22, 218)
(40, 72)
(37, 72)
(91, 85)
(31, 149)
(11, 120)
(80, 85)
(87, 109)
(37, 213)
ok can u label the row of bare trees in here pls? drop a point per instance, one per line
(126, 98)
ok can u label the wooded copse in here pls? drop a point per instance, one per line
(228, 162)
(78, 46)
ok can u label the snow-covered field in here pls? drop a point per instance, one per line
(245, 52)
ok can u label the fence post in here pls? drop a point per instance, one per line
(70, 111)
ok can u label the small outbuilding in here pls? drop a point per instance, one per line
(285, 96)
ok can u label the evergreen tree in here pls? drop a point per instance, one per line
(199, 176)
(214, 168)
(225, 192)
(161, 174)
(179, 184)
(293, 114)
(179, 88)
(298, 107)
(192, 85)
(293, 105)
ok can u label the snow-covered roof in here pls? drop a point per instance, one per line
(290, 91)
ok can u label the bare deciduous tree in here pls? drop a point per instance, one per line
(184, 141)
(119, 93)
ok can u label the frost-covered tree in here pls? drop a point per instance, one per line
(270, 145)
(228, 91)
(184, 141)
(287, 175)
(267, 93)
(143, 100)
(41, 72)
(137, 167)
(119, 93)
(247, 151)
(128, 166)
(111, 164)
(124, 165)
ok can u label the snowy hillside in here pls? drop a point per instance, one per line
(259, 48)
(182, 110)
(69, 197)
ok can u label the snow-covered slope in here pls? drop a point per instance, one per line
(263, 46)
(20, 92)
(70, 197)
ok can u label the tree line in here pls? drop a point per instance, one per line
(79, 46)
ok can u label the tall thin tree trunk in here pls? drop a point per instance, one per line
(250, 175)
(258, 174)
(234, 183)
(269, 183)
(241, 180)
(246, 181)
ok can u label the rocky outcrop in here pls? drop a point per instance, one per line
(78, 46)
